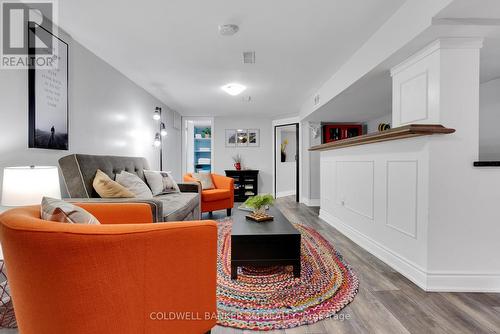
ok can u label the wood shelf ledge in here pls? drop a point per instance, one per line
(402, 132)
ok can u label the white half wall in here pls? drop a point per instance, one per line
(108, 114)
(378, 196)
(419, 204)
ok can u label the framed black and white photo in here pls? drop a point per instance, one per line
(253, 138)
(48, 97)
(241, 137)
(230, 137)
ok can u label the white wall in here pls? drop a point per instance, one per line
(253, 157)
(489, 120)
(286, 171)
(108, 114)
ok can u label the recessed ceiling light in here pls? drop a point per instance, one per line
(233, 89)
(228, 29)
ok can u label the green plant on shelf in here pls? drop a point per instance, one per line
(259, 202)
(207, 132)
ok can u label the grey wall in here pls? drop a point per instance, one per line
(489, 120)
(253, 157)
(108, 114)
(310, 164)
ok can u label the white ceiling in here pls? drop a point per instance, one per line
(172, 47)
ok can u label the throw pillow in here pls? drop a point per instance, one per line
(107, 188)
(60, 211)
(161, 182)
(205, 180)
(134, 184)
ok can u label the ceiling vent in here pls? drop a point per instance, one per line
(249, 57)
(316, 99)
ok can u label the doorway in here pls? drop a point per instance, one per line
(197, 145)
(286, 160)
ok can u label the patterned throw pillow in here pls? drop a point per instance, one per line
(60, 211)
(107, 188)
(161, 182)
(205, 180)
(134, 184)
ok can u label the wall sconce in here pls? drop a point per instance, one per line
(157, 114)
(158, 142)
(163, 130)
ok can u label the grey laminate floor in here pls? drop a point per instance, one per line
(387, 302)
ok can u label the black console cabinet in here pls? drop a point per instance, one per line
(246, 183)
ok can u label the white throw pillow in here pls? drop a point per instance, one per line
(161, 182)
(205, 180)
(63, 212)
(134, 184)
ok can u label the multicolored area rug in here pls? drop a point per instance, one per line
(271, 298)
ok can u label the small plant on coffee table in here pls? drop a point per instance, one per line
(259, 202)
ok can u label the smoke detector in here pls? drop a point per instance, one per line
(228, 29)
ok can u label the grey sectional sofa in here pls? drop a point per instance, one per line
(79, 170)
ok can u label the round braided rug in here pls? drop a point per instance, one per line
(271, 298)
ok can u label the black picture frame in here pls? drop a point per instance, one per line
(49, 138)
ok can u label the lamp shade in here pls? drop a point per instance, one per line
(27, 185)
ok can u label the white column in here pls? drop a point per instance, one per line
(422, 84)
(440, 85)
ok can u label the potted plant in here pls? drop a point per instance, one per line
(259, 203)
(237, 161)
(283, 150)
(207, 132)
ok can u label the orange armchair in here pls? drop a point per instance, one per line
(114, 278)
(219, 198)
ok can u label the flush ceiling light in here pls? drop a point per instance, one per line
(233, 89)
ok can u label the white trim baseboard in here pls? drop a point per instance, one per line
(410, 270)
(285, 193)
(310, 201)
(463, 282)
(428, 281)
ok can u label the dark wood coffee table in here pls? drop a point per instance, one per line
(269, 243)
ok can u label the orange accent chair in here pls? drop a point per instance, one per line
(126, 276)
(219, 198)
